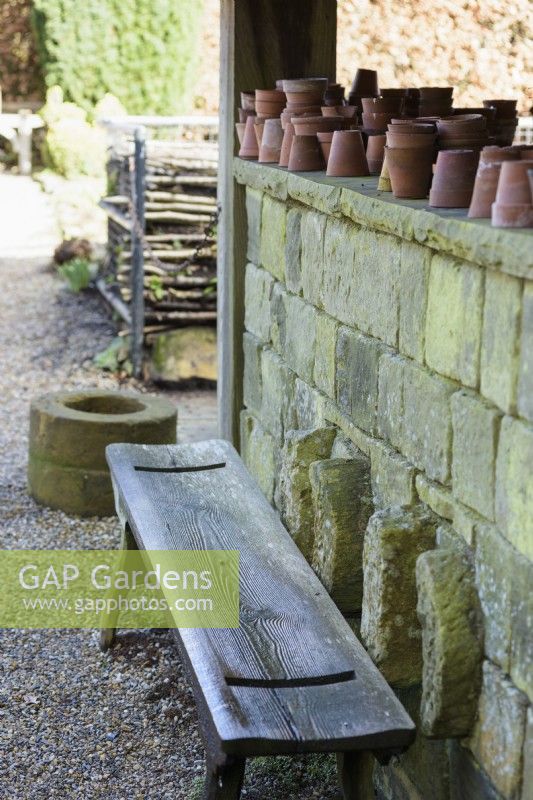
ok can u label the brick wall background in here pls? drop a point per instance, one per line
(389, 417)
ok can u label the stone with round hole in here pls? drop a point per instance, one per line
(69, 432)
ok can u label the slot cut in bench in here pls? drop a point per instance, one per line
(293, 677)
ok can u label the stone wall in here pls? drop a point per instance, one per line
(388, 395)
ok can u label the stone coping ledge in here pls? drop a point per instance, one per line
(358, 199)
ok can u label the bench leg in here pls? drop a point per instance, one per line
(107, 633)
(224, 783)
(355, 771)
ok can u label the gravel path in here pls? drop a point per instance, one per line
(76, 723)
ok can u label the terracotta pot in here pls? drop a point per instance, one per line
(307, 111)
(453, 181)
(244, 114)
(347, 157)
(410, 171)
(505, 109)
(269, 101)
(349, 112)
(325, 138)
(512, 216)
(288, 136)
(495, 154)
(305, 155)
(466, 123)
(297, 100)
(259, 125)
(410, 140)
(365, 83)
(239, 127)
(384, 184)
(375, 152)
(248, 101)
(334, 95)
(310, 126)
(394, 92)
(485, 187)
(513, 186)
(305, 85)
(270, 148)
(406, 126)
(439, 92)
(376, 122)
(382, 105)
(249, 147)
(489, 113)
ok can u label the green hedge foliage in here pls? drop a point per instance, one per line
(142, 51)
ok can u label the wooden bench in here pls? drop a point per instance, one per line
(293, 678)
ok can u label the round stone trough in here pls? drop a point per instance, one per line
(69, 432)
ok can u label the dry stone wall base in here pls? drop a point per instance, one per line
(409, 333)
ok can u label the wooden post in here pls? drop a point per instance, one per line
(261, 41)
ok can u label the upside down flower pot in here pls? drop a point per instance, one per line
(270, 148)
(453, 181)
(410, 171)
(347, 157)
(513, 207)
(305, 155)
(249, 148)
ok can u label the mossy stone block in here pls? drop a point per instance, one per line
(260, 454)
(325, 346)
(258, 285)
(277, 409)
(312, 227)
(393, 477)
(476, 427)
(342, 502)
(252, 378)
(293, 251)
(273, 236)
(254, 201)
(390, 628)
(427, 424)
(454, 316)
(494, 580)
(300, 450)
(498, 737)
(452, 643)
(415, 262)
(525, 376)
(357, 377)
(184, 354)
(499, 340)
(514, 486)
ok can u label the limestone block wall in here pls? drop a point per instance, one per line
(388, 392)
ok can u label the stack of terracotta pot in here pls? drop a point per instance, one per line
(462, 130)
(247, 109)
(487, 175)
(502, 127)
(410, 154)
(513, 206)
(365, 84)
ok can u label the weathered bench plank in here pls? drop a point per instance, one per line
(293, 677)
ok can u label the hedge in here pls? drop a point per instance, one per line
(142, 51)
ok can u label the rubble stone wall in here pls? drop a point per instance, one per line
(388, 392)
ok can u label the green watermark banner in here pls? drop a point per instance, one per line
(119, 588)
